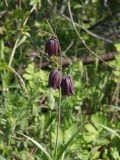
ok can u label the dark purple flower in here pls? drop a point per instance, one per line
(52, 47)
(67, 86)
(55, 79)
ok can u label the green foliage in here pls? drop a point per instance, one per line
(89, 128)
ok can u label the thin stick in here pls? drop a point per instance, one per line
(87, 47)
(13, 52)
(19, 77)
(50, 27)
(6, 3)
(88, 31)
(26, 19)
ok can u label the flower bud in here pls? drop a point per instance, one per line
(54, 79)
(67, 86)
(52, 47)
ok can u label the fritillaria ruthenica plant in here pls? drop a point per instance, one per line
(56, 81)
(52, 48)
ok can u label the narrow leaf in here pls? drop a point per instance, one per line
(109, 129)
(39, 146)
(62, 151)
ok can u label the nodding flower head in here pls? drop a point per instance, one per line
(67, 86)
(54, 79)
(52, 47)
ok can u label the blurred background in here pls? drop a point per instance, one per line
(90, 119)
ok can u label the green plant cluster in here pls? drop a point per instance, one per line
(90, 119)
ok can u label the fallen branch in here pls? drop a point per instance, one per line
(85, 60)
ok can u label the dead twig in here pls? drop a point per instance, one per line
(85, 60)
(84, 43)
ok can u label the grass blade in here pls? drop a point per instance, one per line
(39, 146)
(62, 151)
(67, 144)
(109, 129)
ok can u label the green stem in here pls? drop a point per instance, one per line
(59, 111)
(58, 125)
(50, 130)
